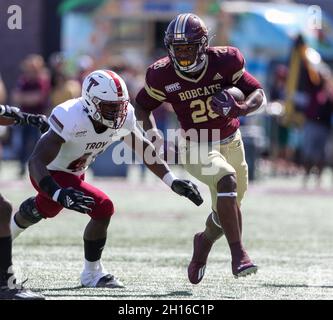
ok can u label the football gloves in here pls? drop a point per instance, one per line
(74, 200)
(225, 105)
(12, 112)
(36, 120)
(22, 118)
(187, 189)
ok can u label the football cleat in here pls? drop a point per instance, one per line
(109, 281)
(244, 269)
(100, 279)
(19, 294)
(197, 266)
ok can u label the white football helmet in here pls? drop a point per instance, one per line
(105, 96)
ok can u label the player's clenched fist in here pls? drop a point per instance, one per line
(74, 200)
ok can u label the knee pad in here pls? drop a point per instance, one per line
(29, 211)
(103, 209)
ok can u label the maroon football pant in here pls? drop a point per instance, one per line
(48, 208)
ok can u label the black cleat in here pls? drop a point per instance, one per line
(19, 294)
(109, 281)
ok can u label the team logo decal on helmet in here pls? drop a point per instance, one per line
(189, 31)
(105, 97)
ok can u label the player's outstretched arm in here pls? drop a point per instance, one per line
(147, 121)
(10, 115)
(13, 115)
(146, 151)
(45, 152)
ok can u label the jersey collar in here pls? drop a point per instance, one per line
(195, 80)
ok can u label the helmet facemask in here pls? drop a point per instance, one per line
(110, 113)
(188, 57)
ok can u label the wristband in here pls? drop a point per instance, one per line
(169, 178)
(56, 195)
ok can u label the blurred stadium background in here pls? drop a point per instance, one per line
(288, 228)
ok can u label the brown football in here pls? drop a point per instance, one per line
(6, 121)
(234, 91)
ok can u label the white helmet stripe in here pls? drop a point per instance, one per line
(180, 25)
(185, 21)
(176, 31)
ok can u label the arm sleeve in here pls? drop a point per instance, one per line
(239, 77)
(248, 83)
(236, 65)
(58, 123)
(150, 97)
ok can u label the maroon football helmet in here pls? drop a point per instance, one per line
(186, 39)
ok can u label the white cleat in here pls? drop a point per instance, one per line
(100, 280)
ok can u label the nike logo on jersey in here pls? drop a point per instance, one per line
(217, 77)
(96, 145)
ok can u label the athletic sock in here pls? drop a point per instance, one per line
(15, 228)
(93, 249)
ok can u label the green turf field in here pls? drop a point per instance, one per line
(288, 232)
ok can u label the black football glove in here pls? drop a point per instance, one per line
(187, 189)
(12, 112)
(37, 120)
(75, 200)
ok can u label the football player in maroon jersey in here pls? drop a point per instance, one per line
(191, 79)
(9, 289)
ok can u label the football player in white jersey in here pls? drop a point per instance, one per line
(80, 129)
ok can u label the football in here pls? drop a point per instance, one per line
(6, 121)
(234, 91)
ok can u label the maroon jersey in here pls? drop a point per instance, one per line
(191, 98)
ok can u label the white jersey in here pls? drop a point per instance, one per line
(82, 144)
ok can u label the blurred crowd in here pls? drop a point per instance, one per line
(43, 85)
(297, 125)
(299, 118)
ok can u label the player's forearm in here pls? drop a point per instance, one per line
(255, 101)
(37, 169)
(145, 118)
(45, 152)
(147, 152)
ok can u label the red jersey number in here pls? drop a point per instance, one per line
(80, 163)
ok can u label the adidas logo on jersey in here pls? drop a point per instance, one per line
(217, 77)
